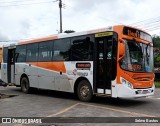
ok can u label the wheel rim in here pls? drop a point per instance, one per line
(84, 91)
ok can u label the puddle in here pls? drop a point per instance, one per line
(2, 96)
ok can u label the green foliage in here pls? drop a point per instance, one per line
(157, 84)
(156, 40)
(157, 60)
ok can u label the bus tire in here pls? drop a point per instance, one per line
(84, 91)
(25, 85)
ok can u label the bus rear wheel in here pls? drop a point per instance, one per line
(84, 91)
(25, 85)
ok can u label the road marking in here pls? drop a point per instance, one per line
(152, 97)
(117, 110)
(19, 125)
(63, 111)
(95, 106)
(100, 107)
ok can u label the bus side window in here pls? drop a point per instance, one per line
(21, 53)
(82, 48)
(32, 52)
(61, 50)
(5, 54)
(45, 51)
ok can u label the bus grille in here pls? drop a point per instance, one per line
(142, 77)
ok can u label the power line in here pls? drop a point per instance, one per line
(147, 24)
(60, 6)
(146, 20)
(153, 28)
(15, 1)
(150, 24)
(28, 3)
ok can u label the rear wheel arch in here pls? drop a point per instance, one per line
(83, 89)
(78, 81)
(24, 82)
(23, 75)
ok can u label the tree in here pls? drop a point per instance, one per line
(156, 40)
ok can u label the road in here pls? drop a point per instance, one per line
(43, 103)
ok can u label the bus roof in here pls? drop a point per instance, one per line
(67, 35)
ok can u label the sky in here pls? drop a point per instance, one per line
(28, 19)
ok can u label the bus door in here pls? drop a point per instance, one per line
(11, 64)
(105, 60)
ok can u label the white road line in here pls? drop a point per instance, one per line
(153, 98)
(157, 98)
(117, 110)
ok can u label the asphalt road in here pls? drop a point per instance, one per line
(43, 103)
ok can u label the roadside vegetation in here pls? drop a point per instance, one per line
(157, 84)
(156, 46)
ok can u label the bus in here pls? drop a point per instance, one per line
(0, 54)
(115, 61)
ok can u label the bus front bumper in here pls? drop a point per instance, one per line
(125, 92)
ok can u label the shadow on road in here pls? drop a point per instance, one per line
(98, 100)
(2, 83)
(118, 102)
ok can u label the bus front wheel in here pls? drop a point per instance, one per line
(84, 91)
(25, 85)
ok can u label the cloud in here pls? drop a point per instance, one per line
(39, 20)
(3, 37)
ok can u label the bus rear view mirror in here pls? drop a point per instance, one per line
(121, 49)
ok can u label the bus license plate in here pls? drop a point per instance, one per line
(145, 91)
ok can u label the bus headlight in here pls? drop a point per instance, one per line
(127, 83)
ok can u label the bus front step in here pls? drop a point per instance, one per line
(103, 95)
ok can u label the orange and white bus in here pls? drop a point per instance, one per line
(115, 61)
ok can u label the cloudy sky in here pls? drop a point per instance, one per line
(26, 19)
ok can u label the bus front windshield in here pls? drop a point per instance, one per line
(138, 57)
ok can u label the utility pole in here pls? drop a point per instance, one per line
(60, 11)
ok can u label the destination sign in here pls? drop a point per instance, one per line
(137, 34)
(103, 34)
(83, 65)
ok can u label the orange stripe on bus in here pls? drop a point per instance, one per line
(38, 40)
(55, 66)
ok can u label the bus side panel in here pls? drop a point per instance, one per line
(74, 72)
(4, 72)
(29, 70)
(62, 81)
(65, 81)
(19, 70)
(32, 73)
(114, 88)
(53, 80)
(45, 78)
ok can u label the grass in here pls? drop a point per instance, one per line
(157, 84)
